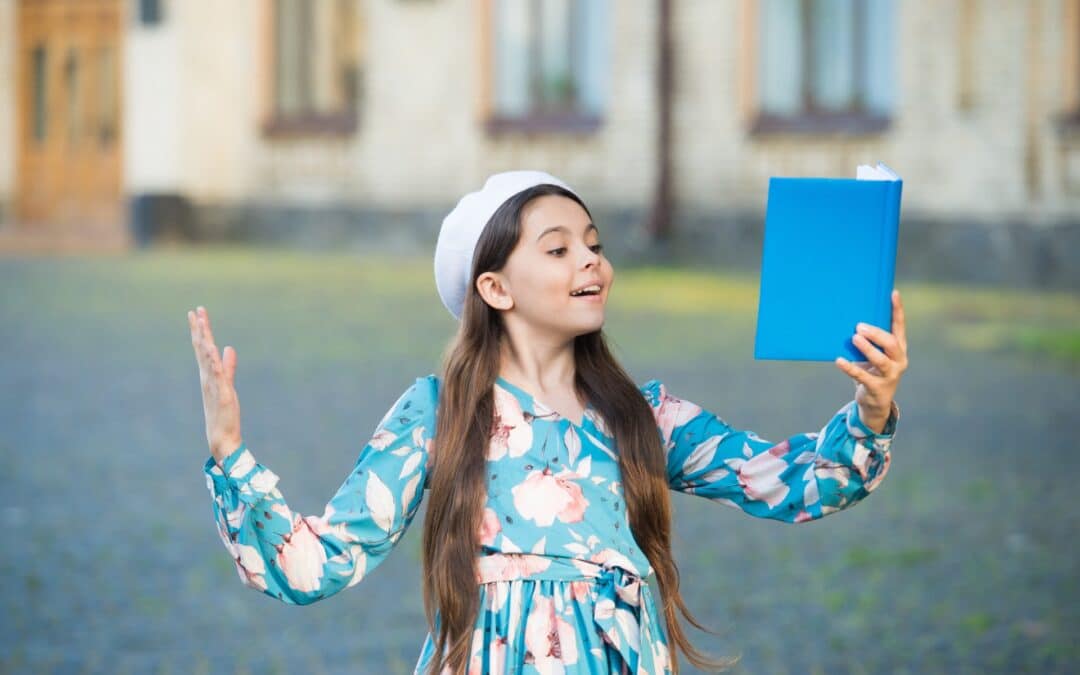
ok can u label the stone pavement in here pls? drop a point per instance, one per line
(963, 561)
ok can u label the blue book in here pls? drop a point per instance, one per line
(828, 262)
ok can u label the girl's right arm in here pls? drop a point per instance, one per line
(301, 559)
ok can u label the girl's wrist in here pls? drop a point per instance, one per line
(224, 449)
(874, 419)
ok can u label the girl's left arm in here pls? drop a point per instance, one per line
(805, 476)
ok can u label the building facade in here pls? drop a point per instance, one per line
(334, 118)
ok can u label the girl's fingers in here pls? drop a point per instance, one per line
(899, 324)
(202, 340)
(860, 375)
(229, 361)
(194, 329)
(873, 354)
(210, 349)
(883, 338)
(197, 342)
(206, 325)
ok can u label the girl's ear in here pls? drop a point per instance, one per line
(493, 289)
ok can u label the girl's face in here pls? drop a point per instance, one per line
(556, 279)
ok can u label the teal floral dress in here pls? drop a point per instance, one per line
(563, 586)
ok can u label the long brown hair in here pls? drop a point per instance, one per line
(457, 478)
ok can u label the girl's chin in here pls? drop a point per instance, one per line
(590, 327)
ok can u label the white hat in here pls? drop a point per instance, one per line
(461, 230)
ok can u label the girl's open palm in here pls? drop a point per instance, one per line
(216, 374)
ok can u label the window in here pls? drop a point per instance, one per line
(315, 64)
(548, 64)
(825, 65)
(150, 13)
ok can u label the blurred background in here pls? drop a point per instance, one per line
(287, 164)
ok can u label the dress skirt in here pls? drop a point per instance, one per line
(547, 615)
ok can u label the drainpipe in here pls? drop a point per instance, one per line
(660, 221)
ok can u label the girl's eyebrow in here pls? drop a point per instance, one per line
(563, 228)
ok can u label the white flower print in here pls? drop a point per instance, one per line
(264, 481)
(251, 565)
(380, 502)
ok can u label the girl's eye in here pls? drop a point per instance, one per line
(596, 248)
(562, 250)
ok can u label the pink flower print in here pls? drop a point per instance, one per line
(550, 641)
(526, 565)
(302, 558)
(543, 497)
(673, 412)
(580, 590)
(489, 527)
(321, 526)
(759, 476)
(507, 566)
(382, 439)
(510, 432)
(496, 655)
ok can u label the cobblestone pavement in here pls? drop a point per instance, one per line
(964, 560)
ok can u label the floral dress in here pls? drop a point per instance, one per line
(563, 585)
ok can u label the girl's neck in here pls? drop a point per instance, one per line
(542, 365)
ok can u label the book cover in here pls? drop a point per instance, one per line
(828, 262)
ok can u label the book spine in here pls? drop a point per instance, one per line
(889, 241)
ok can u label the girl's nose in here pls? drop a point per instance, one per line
(591, 257)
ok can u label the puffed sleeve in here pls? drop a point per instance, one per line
(301, 559)
(802, 478)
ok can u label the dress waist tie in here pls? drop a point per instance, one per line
(623, 611)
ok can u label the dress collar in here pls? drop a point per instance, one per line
(537, 407)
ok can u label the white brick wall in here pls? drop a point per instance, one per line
(421, 143)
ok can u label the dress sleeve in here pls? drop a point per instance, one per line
(301, 559)
(802, 478)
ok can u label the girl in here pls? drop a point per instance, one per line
(547, 468)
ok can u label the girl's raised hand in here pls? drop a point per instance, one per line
(216, 374)
(877, 380)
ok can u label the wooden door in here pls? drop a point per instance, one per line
(68, 60)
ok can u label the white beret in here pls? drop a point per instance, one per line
(461, 230)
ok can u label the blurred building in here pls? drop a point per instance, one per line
(335, 120)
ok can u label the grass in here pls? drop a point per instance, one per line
(705, 313)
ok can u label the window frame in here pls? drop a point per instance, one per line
(567, 122)
(810, 120)
(276, 124)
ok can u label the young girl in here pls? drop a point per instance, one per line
(548, 468)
